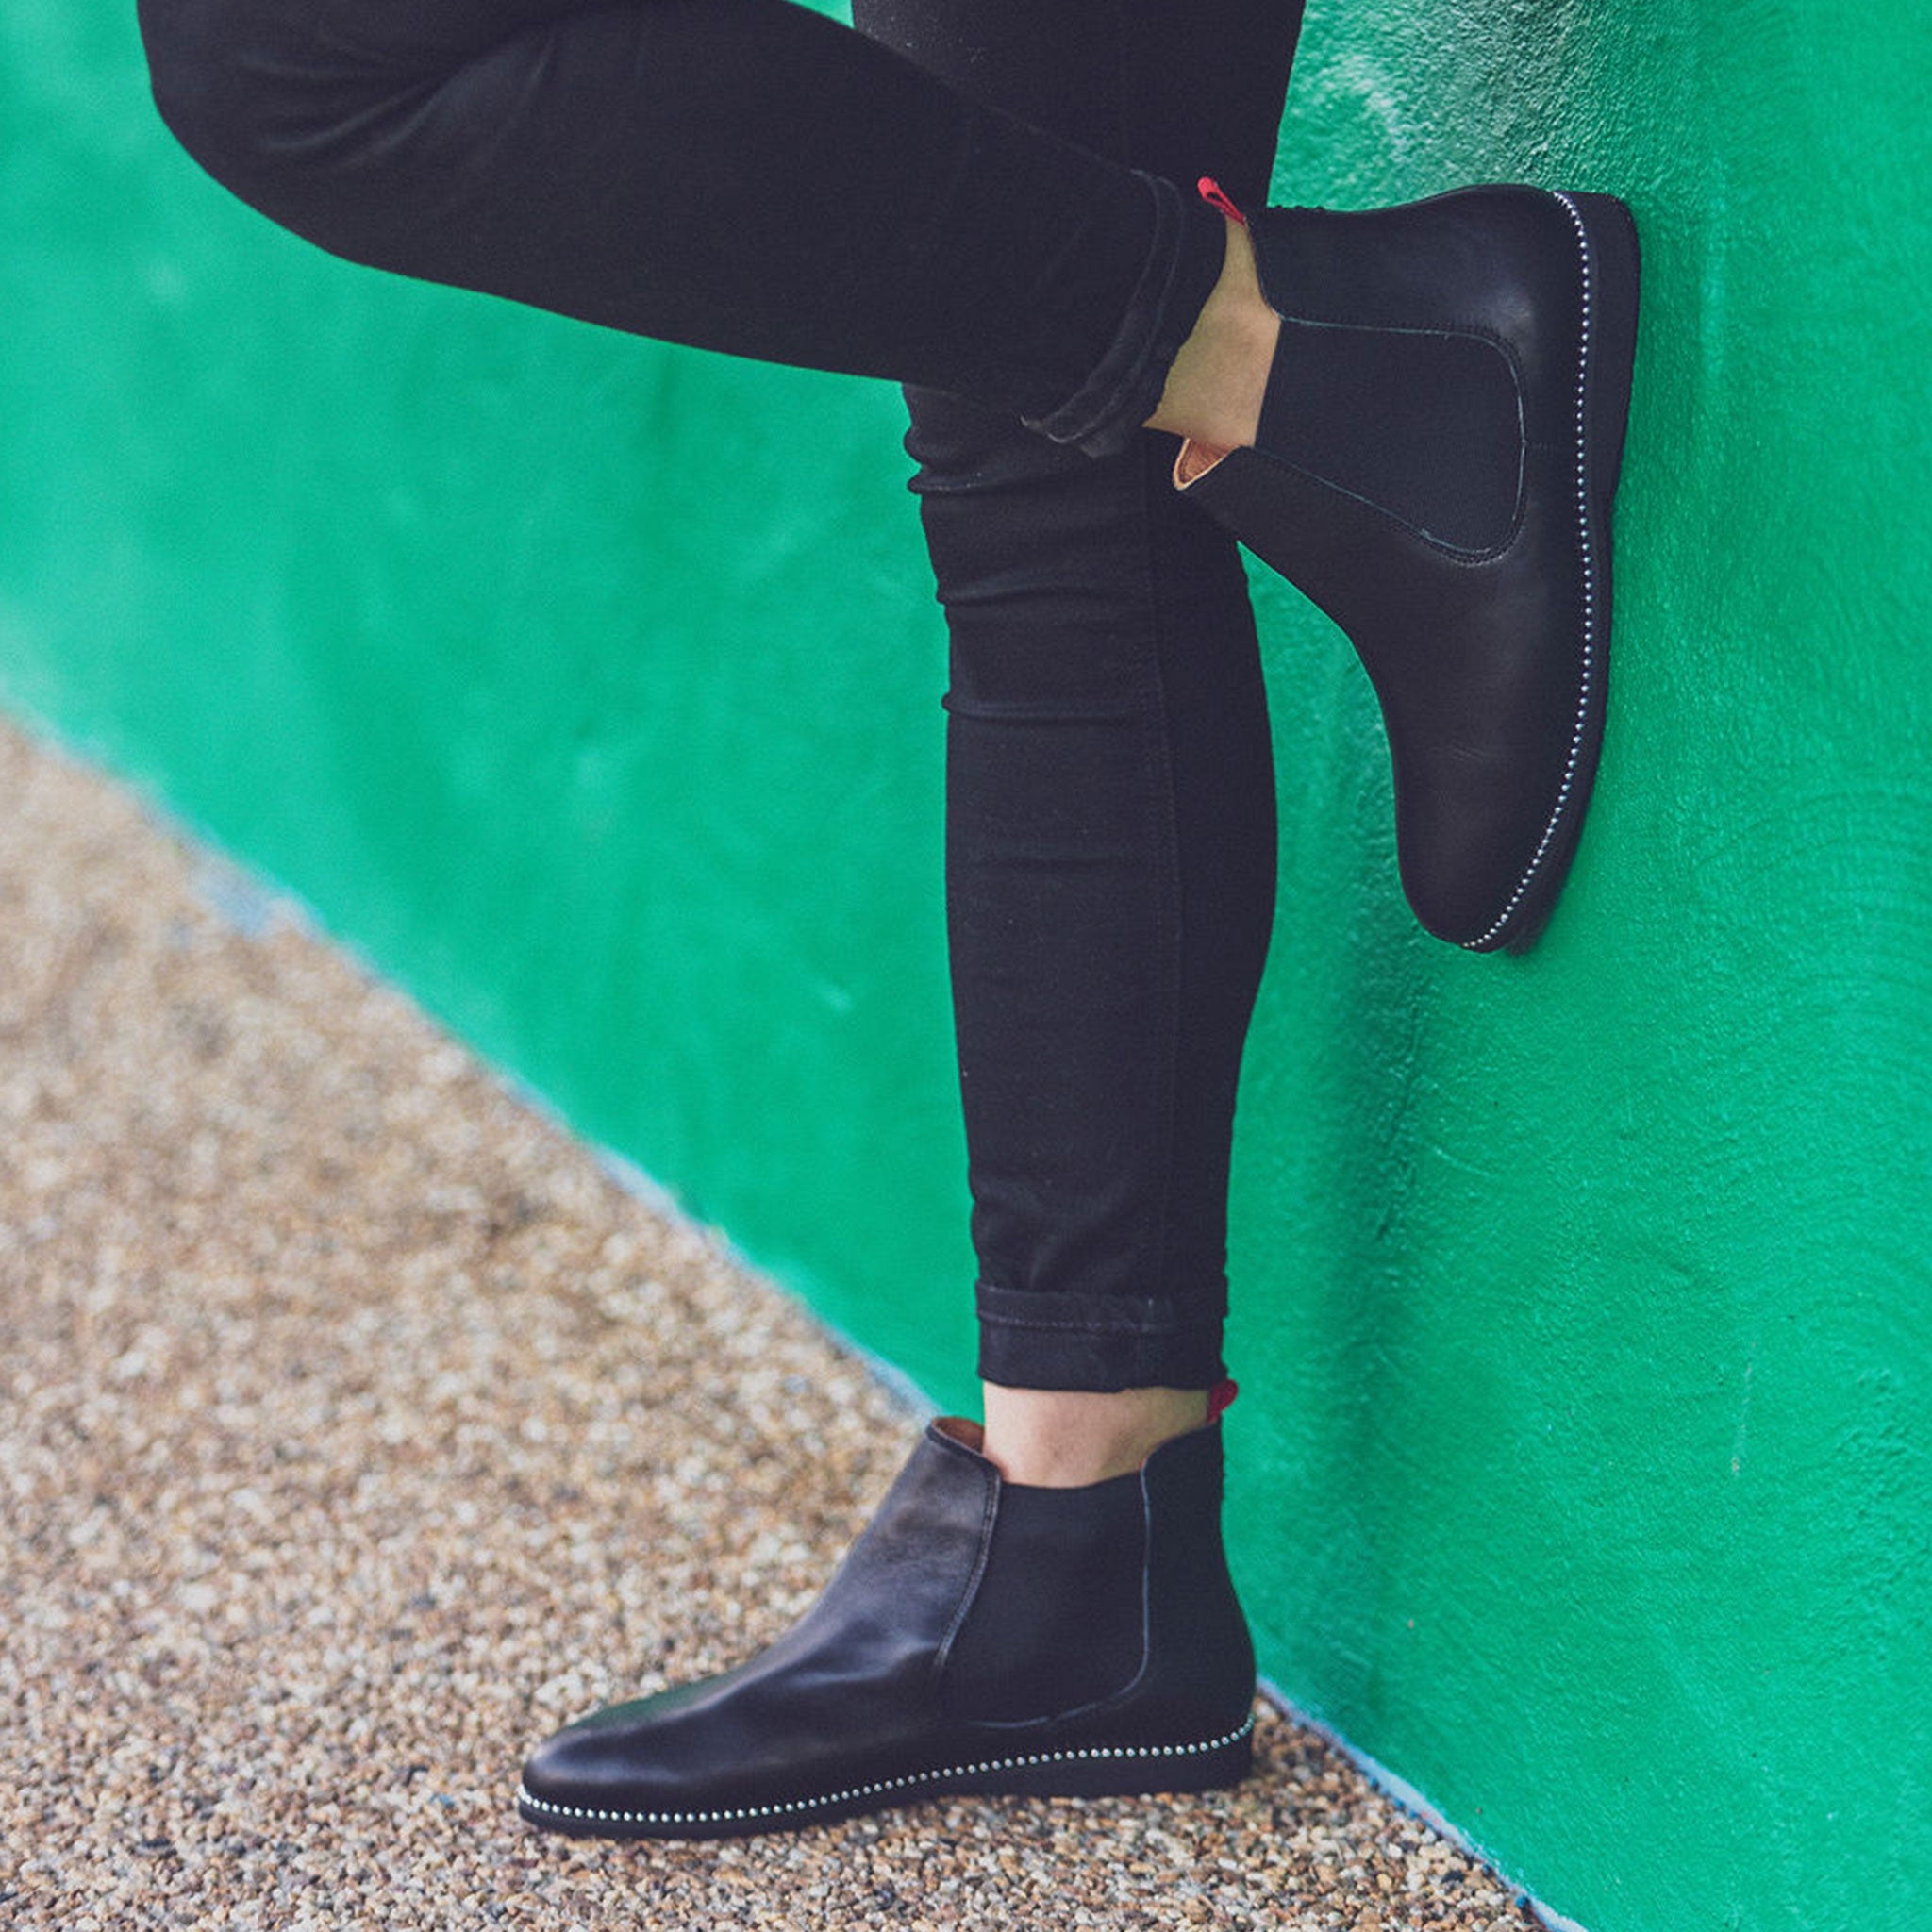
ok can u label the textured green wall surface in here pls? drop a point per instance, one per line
(1584, 1302)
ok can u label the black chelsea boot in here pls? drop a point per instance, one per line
(981, 1636)
(1437, 454)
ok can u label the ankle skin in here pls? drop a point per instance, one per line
(1069, 1437)
(1213, 392)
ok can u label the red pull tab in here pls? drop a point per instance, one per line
(1220, 1399)
(1215, 195)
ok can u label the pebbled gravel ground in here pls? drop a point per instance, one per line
(359, 1428)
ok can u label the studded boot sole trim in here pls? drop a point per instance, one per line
(1099, 1771)
(1528, 906)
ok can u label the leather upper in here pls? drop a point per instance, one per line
(853, 1694)
(1439, 448)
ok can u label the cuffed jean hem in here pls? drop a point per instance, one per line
(1098, 1342)
(1184, 263)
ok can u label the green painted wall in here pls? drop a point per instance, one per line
(1585, 1306)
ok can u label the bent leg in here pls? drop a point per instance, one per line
(742, 175)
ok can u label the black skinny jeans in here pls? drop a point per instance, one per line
(977, 198)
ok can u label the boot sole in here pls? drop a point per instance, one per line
(1611, 272)
(1095, 1771)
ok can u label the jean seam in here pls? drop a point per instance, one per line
(1160, 746)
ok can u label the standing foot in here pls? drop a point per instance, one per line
(982, 1636)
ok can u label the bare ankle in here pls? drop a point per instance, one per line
(1066, 1439)
(1214, 390)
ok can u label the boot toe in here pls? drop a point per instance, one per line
(601, 1770)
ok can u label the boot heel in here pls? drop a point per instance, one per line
(1127, 1772)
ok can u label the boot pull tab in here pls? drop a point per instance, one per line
(1215, 195)
(1220, 1397)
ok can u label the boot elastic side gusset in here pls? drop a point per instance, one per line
(1058, 1622)
(1422, 425)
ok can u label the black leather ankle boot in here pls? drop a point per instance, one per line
(1437, 452)
(980, 1637)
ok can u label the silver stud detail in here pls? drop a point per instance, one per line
(1121, 1754)
(1588, 560)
